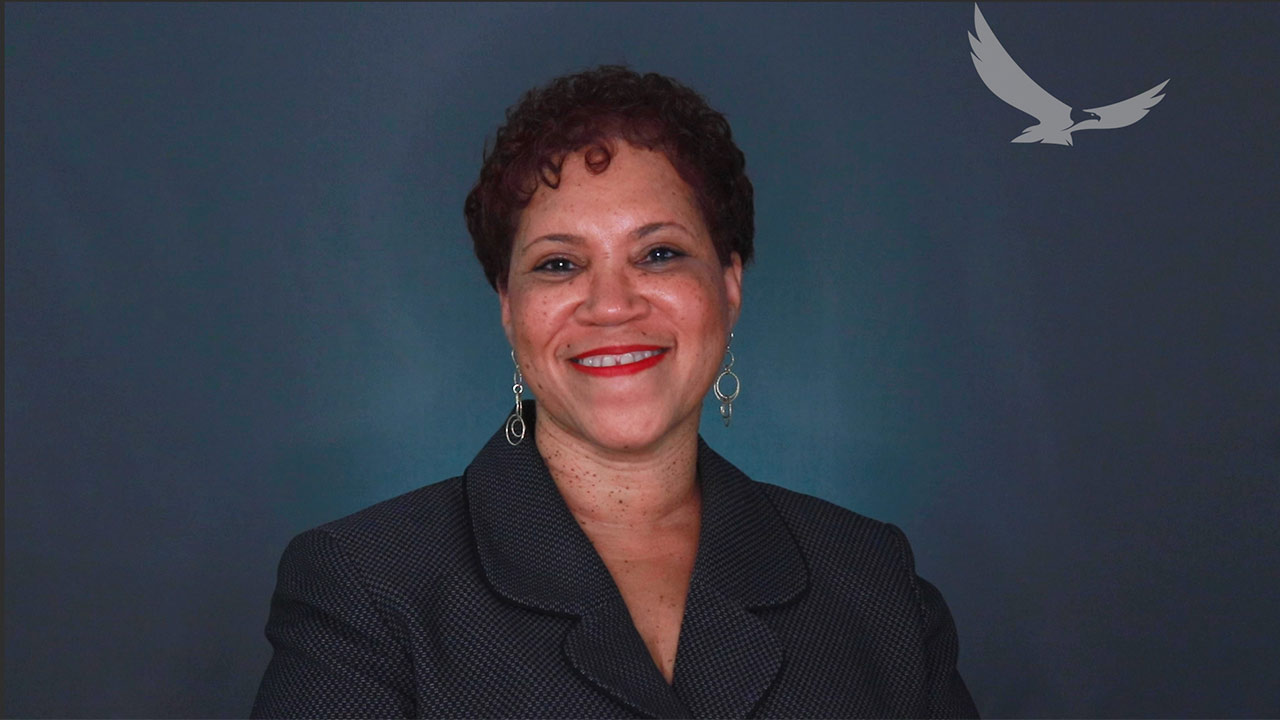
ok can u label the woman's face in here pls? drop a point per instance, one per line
(616, 303)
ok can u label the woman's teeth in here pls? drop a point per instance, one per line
(611, 360)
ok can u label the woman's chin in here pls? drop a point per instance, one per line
(625, 430)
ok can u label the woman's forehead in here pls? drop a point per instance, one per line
(639, 192)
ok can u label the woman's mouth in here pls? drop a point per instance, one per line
(624, 360)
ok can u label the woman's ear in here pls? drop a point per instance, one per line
(733, 287)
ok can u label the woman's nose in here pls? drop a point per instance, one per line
(612, 299)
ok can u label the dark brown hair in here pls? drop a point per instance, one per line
(590, 110)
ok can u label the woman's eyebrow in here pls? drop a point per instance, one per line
(656, 226)
(640, 232)
(555, 237)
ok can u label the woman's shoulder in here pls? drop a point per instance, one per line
(421, 531)
(812, 513)
(829, 536)
(830, 533)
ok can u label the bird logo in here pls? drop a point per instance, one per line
(1056, 120)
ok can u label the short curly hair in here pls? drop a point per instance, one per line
(590, 110)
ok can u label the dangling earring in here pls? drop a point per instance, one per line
(515, 423)
(726, 400)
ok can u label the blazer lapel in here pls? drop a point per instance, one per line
(534, 554)
(727, 657)
(606, 648)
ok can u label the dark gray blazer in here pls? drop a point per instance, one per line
(480, 596)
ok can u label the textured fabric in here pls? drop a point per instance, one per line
(481, 597)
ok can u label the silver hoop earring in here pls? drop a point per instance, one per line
(726, 399)
(515, 423)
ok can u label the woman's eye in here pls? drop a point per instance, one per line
(662, 254)
(556, 265)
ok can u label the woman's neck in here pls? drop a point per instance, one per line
(652, 491)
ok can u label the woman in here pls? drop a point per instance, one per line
(597, 559)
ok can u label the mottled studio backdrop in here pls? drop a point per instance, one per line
(240, 301)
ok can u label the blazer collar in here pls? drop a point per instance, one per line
(534, 554)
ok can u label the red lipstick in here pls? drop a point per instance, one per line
(615, 370)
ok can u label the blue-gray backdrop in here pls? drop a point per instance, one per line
(240, 301)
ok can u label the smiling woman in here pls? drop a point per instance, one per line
(605, 266)
(604, 561)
